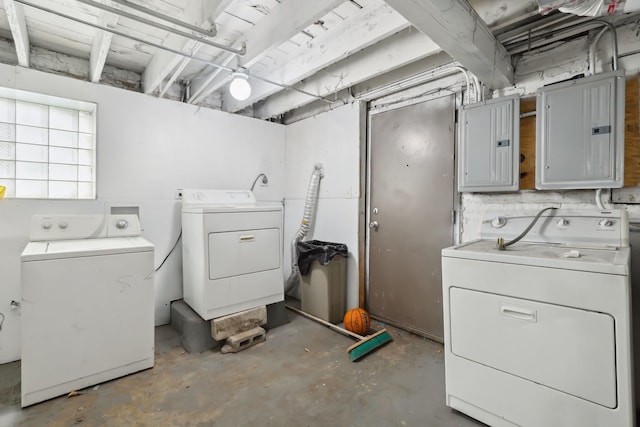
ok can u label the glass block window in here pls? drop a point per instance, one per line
(47, 146)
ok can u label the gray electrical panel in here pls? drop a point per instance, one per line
(580, 133)
(489, 147)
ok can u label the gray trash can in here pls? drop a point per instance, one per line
(323, 268)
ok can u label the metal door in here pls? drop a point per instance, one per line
(410, 211)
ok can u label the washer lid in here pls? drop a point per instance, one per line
(59, 249)
(597, 260)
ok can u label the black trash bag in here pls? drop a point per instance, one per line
(318, 250)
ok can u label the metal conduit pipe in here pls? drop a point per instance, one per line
(167, 49)
(551, 36)
(466, 77)
(207, 33)
(153, 24)
(479, 94)
(614, 42)
(515, 34)
(420, 78)
(540, 31)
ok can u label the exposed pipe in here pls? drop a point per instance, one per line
(416, 79)
(305, 226)
(207, 33)
(121, 34)
(530, 34)
(614, 41)
(167, 49)
(466, 77)
(529, 114)
(479, 91)
(153, 24)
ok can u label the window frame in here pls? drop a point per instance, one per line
(76, 134)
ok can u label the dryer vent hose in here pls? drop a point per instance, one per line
(305, 226)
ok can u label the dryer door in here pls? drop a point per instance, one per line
(235, 253)
(568, 349)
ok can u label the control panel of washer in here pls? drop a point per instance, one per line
(583, 227)
(72, 227)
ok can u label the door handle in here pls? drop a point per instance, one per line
(522, 313)
(374, 225)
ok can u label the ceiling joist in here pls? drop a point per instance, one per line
(366, 27)
(456, 27)
(269, 33)
(101, 45)
(18, 25)
(163, 63)
(394, 52)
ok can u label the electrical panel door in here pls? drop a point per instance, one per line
(490, 146)
(580, 133)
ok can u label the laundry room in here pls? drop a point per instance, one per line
(171, 156)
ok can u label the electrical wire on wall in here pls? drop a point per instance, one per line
(170, 252)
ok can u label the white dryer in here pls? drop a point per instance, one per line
(87, 303)
(539, 334)
(231, 252)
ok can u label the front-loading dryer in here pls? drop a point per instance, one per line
(539, 334)
(231, 252)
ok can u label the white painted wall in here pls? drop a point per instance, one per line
(146, 148)
(333, 139)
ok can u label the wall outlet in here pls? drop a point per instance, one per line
(179, 193)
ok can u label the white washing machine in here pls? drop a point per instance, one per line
(231, 252)
(539, 334)
(87, 303)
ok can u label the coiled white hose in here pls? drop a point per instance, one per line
(305, 226)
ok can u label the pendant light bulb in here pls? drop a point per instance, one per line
(240, 88)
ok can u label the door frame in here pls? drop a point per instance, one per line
(365, 184)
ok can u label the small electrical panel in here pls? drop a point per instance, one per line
(488, 155)
(580, 133)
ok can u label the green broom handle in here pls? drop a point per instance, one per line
(325, 323)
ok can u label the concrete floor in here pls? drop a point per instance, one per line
(301, 376)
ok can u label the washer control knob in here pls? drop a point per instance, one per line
(63, 225)
(605, 223)
(46, 225)
(562, 222)
(499, 222)
(122, 224)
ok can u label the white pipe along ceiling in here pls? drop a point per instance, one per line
(291, 53)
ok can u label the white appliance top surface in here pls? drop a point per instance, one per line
(210, 201)
(595, 241)
(608, 261)
(84, 247)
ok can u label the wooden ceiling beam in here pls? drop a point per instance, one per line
(18, 25)
(101, 45)
(392, 53)
(203, 12)
(368, 26)
(284, 22)
(456, 27)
